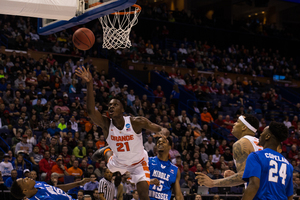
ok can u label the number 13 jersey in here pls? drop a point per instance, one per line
(126, 144)
(275, 174)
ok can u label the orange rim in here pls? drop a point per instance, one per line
(120, 13)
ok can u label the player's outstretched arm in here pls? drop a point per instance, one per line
(95, 115)
(67, 187)
(177, 190)
(240, 154)
(252, 188)
(144, 123)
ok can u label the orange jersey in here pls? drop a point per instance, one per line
(100, 144)
(58, 170)
(75, 172)
(206, 117)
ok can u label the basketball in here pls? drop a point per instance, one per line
(83, 39)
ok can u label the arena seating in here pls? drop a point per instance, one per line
(228, 81)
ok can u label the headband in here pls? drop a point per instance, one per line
(247, 124)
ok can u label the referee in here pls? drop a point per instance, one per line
(106, 187)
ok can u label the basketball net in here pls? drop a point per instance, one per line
(117, 26)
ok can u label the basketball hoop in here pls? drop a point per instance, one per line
(117, 26)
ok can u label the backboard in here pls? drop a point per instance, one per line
(63, 10)
(86, 11)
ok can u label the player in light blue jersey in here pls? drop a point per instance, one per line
(32, 190)
(163, 174)
(268, 173)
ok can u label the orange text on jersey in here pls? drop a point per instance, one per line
(122, 138)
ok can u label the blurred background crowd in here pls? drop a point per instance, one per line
(46, 133)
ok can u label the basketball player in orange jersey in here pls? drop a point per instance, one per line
(244, 130)
(123, 135)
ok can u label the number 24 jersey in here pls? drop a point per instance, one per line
(275, 174)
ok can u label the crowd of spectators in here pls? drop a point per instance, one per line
(46, 123)
(44, 118)
(188, 53)
(52, 138)
(208, 57)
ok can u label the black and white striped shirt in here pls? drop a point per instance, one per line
(107, 188)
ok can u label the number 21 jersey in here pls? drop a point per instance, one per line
(275, 174)
(126, 144)
(48, 192)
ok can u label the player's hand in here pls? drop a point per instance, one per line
(204, 180)
(228, 173)
(83, 73)
(164, 132)
(86, 180)
(154, 181)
